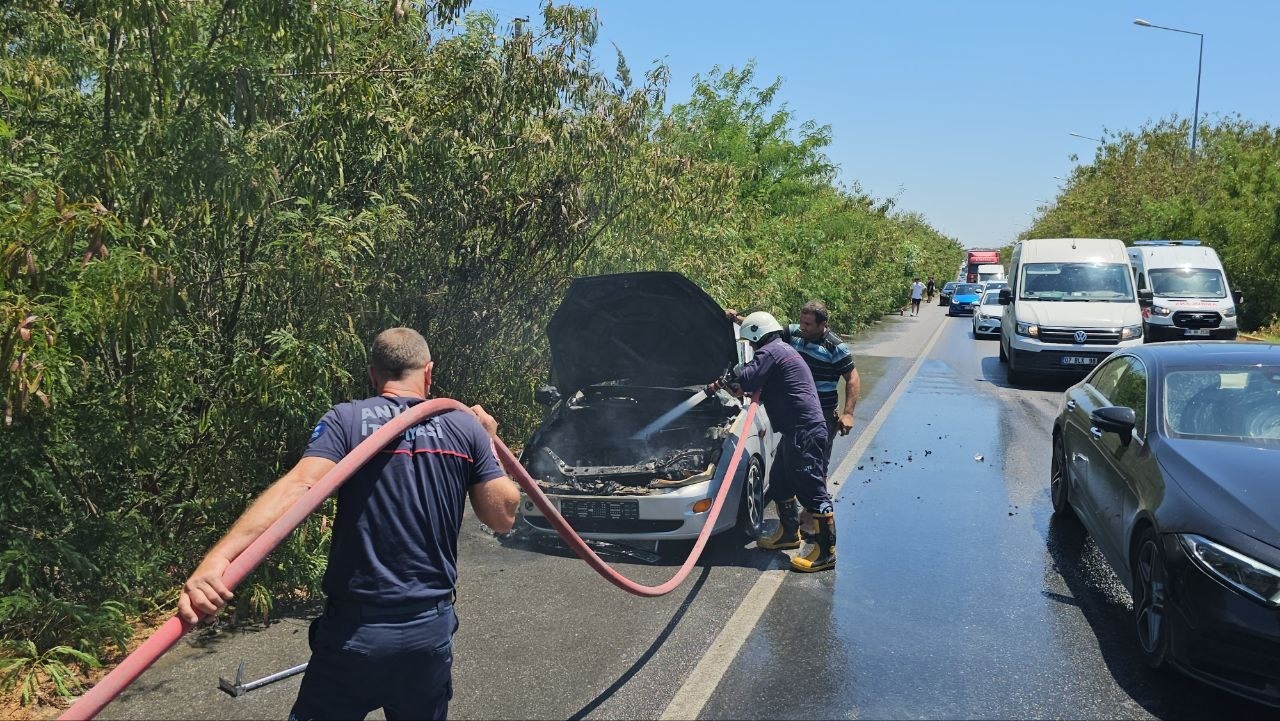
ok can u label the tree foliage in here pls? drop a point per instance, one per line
(1145, 185)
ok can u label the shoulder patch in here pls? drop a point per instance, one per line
(318, 431)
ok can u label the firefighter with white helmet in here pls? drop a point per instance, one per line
(799, 470)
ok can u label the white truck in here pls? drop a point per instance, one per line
(1191, 298)
(1071, 304)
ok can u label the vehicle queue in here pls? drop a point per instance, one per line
(1166, 453)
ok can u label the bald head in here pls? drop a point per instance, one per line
(399, 352)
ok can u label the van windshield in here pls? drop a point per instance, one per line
(1187, 282)
(1080, 282)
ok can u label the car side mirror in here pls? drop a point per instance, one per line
(1115, 419)
(1006, 298)
(1146, 298)
(546, 395)
(1237, 297)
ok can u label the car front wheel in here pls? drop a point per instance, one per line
(1150, 596)
(751, 505)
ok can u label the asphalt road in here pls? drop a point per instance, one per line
(956, 594)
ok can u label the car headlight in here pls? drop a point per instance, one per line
(1229, 312)
(1160, 310)
(1130, 332)
(1252, 578)
(1027, 329)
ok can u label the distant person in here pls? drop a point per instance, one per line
(385, 639)
(929, 288)
(917, 292)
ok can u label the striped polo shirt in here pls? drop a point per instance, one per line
(828, 359)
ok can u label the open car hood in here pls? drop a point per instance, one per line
(651, 329)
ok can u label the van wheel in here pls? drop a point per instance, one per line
(1015, 376)
(1003, 358)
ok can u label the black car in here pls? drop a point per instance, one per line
(1169, 455)
(944, 295)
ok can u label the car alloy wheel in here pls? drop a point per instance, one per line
(1058, 484)
(1150, 594)
(751, 505)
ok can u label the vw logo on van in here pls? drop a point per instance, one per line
(1081, 337)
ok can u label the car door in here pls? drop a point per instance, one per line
(1121, 469)
(1079, 443)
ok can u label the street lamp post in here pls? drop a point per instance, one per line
(1086, 137)
(1195, 117)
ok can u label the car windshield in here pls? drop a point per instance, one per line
(1080, 282)
(1187, 282)
(1232, 404)
(950, 284)
(967, 289)
(991, 298)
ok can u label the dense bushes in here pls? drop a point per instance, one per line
(1145, 184)
(207, 209)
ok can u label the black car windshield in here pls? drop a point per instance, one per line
(1227, 404)
(1106, 282)
(950, 284)
(1187, 282)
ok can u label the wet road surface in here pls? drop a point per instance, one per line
(956, 596)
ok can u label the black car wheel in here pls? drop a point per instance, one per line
(1059, 489)
(751, 505)
(1150, 594)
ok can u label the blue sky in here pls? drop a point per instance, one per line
(962, 110)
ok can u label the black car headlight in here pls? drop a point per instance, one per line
(1252, 578)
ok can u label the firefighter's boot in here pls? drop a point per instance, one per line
(820, 552)
(787, 534)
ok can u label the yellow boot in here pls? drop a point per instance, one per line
(787, 534)
(820, 553)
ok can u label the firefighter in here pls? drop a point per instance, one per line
(799, 469)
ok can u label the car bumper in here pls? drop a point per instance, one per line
(1155, 333)
(661, 517)
(1048, 359)
(1218, 635)
(956, 309)
(986, 326)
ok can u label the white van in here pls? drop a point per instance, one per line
(1071, 304)
(1191, 297)
(990, 272)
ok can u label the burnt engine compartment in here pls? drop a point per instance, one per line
(586, 445)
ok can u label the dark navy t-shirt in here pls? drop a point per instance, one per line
(785, 384)
(395, 540)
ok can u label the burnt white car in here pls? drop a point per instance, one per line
(625, 350)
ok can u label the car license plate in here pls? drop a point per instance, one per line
(1079, 360)
(601, 510)
(1195, 331)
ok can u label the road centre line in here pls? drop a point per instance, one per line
(702, 681)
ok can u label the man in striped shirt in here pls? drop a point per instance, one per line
(830, 361)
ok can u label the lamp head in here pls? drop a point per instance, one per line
(1143, 23)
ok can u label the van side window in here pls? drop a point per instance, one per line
(1142, 281)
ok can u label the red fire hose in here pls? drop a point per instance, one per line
(111, 685)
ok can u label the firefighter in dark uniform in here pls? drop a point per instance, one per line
(799, 469)
(385, 639)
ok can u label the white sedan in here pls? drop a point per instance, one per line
(986, 318)
(625, 350)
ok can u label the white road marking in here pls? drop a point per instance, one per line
(702, 681)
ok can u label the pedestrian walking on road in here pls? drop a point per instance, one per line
(917, 292)
(385, 639)
(799, 470)
(929, 287)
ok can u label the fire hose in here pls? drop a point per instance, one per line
(111, 685)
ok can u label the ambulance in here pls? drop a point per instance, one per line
(1191, 299)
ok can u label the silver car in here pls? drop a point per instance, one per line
(625, 350)
(986, 317)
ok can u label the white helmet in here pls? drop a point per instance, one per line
(758, 325)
